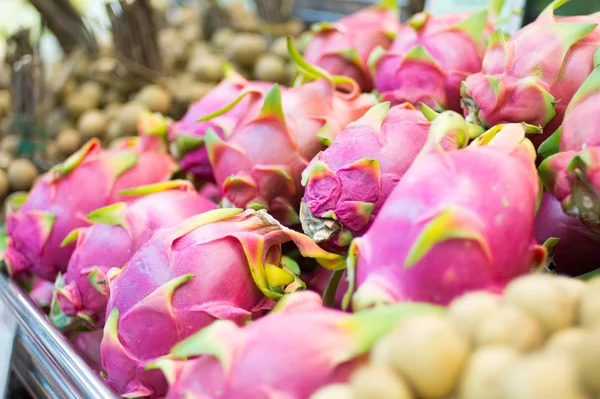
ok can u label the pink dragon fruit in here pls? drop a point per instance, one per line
(123, 228)
(343, 48)
(429, 59)
(578, 131)
(346, 185)
(260, 164)
(89, 179)
(330, 284)
(187, 135)
(464, 227)
(87, 345)
(41, 292)
(222, 264)
(323, 345)
(574, 179)
(532, 76)
(577, 251)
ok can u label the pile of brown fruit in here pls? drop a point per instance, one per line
(88, 100)
(541, 339)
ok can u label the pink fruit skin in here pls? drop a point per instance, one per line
(362, 32)
(494, 201)
(34, 243)
(182, 280)
(101, 246)
(347, 181)
(261, 163)
(577, 252)
(317, 282)
(537, 64)
(404, 74)
(87, 345)
(309, 338)
(41, 292)
(196, 160)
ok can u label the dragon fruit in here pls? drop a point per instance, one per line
(323, 345)
(343, 48)
(464, 227)
(346, 185)
(532, 76)
(573, 178)
(577, 251)
(41, 292)
(578, 130)
(222, 264)
(89, 179)
(87, 345)
(331, 285)
(187, 135)
(429, 59)
(259, 166)
(118, 231)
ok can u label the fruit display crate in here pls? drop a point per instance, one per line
(42, 359)
(318, 10)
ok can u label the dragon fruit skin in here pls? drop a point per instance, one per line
(89, 179)
(119, 230)
(463, 228)
(87, 345)
(346, 184)
(343, 48)
(573, 178)
(187, 135)
(228, 355)
(318, 280)
(222, 264)
(429, 59)
(580, 131)
(576, 252)
(532, 76)
(41, 292)
(260, 164)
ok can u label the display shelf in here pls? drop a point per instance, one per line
(43, 359)
(317, 10)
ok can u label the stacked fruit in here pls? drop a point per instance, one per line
(90, 101)
(428, 234)
(539, 340)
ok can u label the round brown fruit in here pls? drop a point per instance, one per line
(468, 310)
(206, 68)
(128, 117)
(93, 90)
(222, 37)
(270, 68)
(279, 48)
(543, 375)
(10, 144)
(587, 359)
(543, 297)
(333, 391)
(93, 123)
(509, 326)
(568, 340)
(589, 307)
(246, 48)
(3, 184)
(155, 98)
(5, 159)
(78, 103)
(21, 174)
(68, 141)
(430, 352)
(376, 381)
(485, 372)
